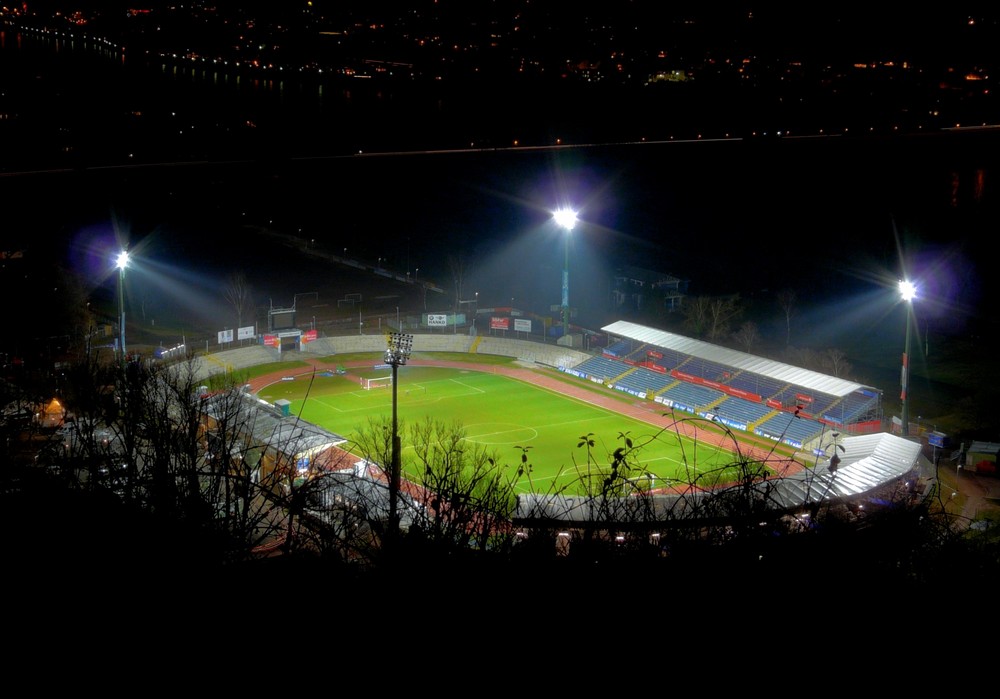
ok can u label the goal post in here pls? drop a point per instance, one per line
(376, 382)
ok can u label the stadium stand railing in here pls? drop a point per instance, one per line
(642, 380)
(742, 411)
(697, 397)
(790, 429)
(601, 367)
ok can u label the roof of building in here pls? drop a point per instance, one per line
(984, 448)
(286, 434)
(786, 373)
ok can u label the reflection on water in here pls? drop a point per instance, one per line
(87, 101)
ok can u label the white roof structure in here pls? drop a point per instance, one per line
(867, 463)
(785, 373)
(288, 435)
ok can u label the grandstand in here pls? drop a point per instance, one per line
(745, 392)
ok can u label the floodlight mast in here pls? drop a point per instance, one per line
(908, 292)
(396, 355)
(566, 218)
(121, 262)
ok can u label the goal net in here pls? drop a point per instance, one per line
(377, 382)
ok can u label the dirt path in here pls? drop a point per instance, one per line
(651, 413)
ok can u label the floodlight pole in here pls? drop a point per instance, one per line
(565, 288)
(906, 373)
(395, 356)
(566, 218)
(121, 262)
(908, 292)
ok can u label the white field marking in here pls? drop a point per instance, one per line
(369, 396)
(328, 404)
(478, 439)
(575, 422)
(364, 395)
(471, 388)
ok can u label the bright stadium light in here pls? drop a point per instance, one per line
(566, 219)
(907, 292)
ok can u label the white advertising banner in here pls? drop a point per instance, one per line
(245, 333)
(522, 325)
(437, 320)
(225, 336)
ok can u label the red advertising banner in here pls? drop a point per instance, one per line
(654, 354)
(803, 398)
(746, 395)
(738, 392)
(271, 341)
(499, 323)
(309, 336)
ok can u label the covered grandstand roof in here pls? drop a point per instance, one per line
(813, 380)
(286, 434)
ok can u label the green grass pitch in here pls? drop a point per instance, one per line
(504, 415)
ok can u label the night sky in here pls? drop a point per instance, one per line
(195, 169)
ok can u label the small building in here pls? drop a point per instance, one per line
(635, 288)
(274, 443)
(51, 414)
(981, 457)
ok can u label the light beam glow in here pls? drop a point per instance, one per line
(907, 290)
(566, 218)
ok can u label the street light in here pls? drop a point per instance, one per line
(566, 218)
(396, 355)
(907, 292)
(121, 262)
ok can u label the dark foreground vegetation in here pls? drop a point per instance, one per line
(161, 490)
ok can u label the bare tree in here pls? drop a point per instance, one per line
(804, 357)
(787, 302)
(473, 497)
(458, 497)
(722, 311)
(835, 361)
(458, 270)
(696, 315)
(747, 336)
(240, 297)
(710, 316)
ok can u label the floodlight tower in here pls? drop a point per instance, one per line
(395, 356)
(908, 292)
(566, 218)
(121, 262)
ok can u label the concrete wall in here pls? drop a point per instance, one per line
(531, 352)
